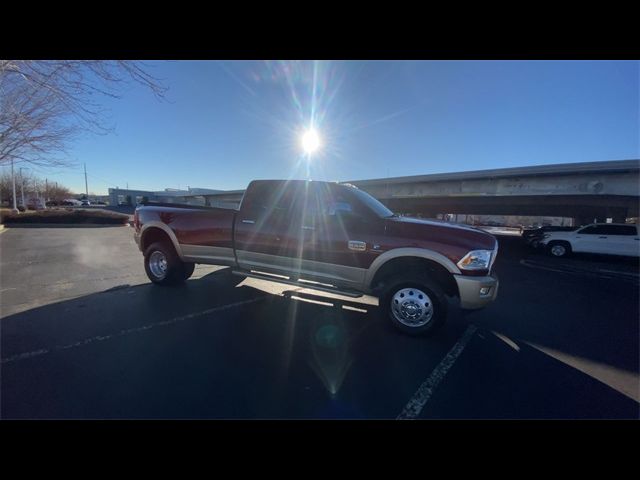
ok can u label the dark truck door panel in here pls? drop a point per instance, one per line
(339, 236)
(268, 225)
(339, 230)
(315, 231)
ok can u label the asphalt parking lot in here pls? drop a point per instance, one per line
(84, 334)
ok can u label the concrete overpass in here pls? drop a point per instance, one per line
(582, 191)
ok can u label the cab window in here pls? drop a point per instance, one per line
(273, 198)
(629, 230)
(593, 230)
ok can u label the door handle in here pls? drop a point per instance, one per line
(308, 228)
(602, 237)
(250, 222)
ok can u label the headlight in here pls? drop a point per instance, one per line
(546, 235)
(476, 260)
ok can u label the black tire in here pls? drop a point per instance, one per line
(565, 251)
(187, 270)
(422, 283)
(175, 271)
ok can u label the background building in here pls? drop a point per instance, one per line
(571, 194)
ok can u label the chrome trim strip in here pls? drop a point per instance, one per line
(337, 291)
(329, 272)
(357, 245)
(209, 254)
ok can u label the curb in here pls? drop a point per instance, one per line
(64, 225)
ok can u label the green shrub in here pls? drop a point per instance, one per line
(69, 215)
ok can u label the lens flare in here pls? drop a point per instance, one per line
(310, 141)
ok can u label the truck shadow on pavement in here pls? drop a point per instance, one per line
(207, 349)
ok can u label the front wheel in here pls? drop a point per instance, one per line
(414, 304)
(559, 249)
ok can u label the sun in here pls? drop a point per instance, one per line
(310, 141)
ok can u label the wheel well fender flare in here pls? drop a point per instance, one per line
(409, 252)
(150, 227)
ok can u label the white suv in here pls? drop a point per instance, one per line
(607, 238)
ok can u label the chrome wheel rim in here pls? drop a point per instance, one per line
(412, 307)
(558, 250)
(158, 264)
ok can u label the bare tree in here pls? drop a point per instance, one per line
(33, 186)
(45, 104)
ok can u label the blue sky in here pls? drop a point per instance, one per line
(225, 123)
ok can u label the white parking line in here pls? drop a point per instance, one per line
(624, 381)
(99, 338)
(415, 405)
(507, 340)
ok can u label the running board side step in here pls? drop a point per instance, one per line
(310, 285)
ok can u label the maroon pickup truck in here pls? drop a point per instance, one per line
(329, 237)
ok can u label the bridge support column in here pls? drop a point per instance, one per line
(618, 215)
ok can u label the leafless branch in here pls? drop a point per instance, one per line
(44, 105)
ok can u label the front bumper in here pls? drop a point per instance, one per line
(469, 289)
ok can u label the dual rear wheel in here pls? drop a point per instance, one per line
(164, 267)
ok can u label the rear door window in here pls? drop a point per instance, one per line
(273, 198)
(594, 230)
(627, 230)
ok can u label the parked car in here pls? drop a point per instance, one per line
(603, 238)
(86, 203)
(334, 235)
(35, 203)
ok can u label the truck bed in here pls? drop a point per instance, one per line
(192, 225)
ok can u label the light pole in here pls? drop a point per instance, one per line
(22, 186)
(13, 183)
(86, 185)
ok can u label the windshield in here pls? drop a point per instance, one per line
(378, 207)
